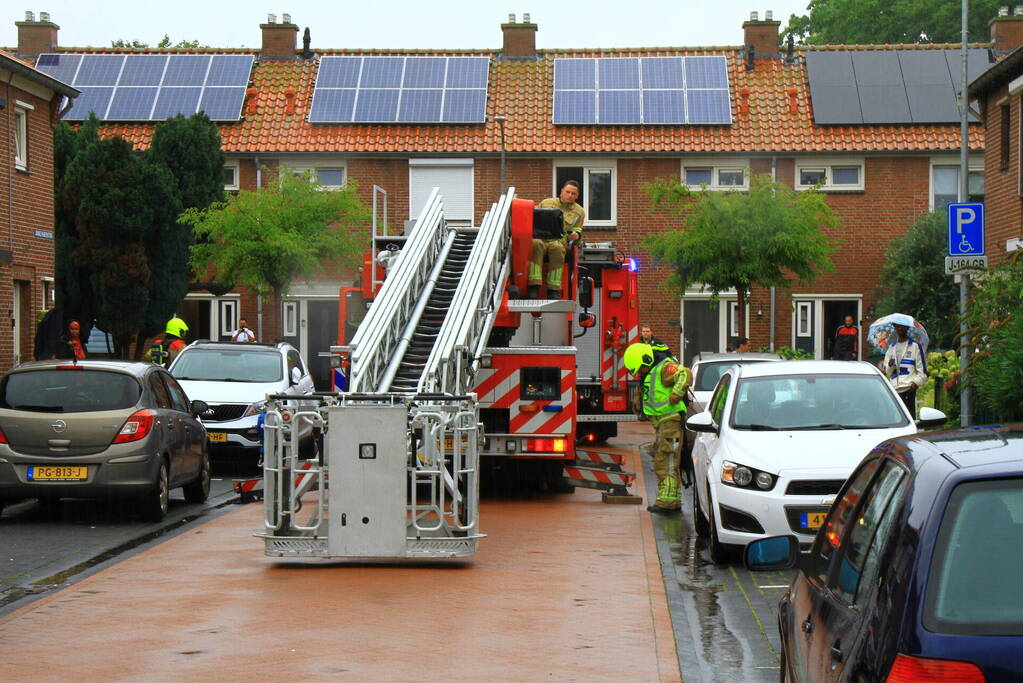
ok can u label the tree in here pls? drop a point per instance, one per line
(735, 240)
(855, 22)
(126, 209)
(164, 43)
(913, 280)
(280, 232)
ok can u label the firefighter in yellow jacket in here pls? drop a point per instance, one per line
(555, 250)
(661, 399)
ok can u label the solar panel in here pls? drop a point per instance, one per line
(648, 90)
(888, 86)
(152, 87)
(400, 90)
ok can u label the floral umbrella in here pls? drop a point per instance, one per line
(882, 331)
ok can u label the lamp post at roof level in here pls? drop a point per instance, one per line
(500, 122)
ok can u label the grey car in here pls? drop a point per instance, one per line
(100, 429)
(708, 367)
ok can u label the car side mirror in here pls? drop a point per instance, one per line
(296, 375)
(772, 554)
(201, 409)
(702, 422)
(929, 417)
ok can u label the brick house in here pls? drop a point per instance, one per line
(881, 169)
(998, 92)
(29, 108)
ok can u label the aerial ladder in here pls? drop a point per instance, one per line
(398, 472)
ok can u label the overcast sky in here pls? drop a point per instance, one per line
(402, 23)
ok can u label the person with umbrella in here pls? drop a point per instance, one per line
(905, 365)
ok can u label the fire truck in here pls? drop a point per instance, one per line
(441, 361)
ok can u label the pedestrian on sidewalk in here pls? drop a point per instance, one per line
(661, 398)
(905, 365)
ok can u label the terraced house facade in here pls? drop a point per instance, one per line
(875, 127)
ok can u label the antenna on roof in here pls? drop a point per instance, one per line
(790, 49)
(306, 53)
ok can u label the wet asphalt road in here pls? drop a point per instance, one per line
(44, 547)
(724, 617)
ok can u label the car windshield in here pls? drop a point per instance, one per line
(74, 390)
(976, 561)
(708, 374)
(793, 402)
(229, 365)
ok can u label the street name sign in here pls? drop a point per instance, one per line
(966, 229)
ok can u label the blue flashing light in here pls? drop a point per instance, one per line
(552, 409)
(632, 264)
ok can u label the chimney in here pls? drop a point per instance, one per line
(279, 40)
(1007, 29)
(762, 35)
(519, 39)
(36, 37)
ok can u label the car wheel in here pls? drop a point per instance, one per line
(700, 523)
(199, 490)
(156, 502)
(783, 674)
(717, 549)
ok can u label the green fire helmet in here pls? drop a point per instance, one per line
(638, 355)
(177, 327)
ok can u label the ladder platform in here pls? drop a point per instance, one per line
(541, 306)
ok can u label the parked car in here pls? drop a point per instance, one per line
(100, 429)
(234, 379)
(915, 573)
(708, 367)
(778, 441)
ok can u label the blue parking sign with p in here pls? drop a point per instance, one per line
(966, 229)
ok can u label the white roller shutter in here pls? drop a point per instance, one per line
(452, 176)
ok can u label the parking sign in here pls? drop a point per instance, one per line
(966, 229)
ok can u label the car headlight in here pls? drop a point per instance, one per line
(255, 408)
(740, 476)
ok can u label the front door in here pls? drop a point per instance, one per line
(701, 328)
(321, 334)
(805, 324)
(834, 312)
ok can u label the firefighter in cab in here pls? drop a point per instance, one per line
(661, 399)
(166, 346)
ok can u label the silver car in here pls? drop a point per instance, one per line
(100, 429)
(708, 367)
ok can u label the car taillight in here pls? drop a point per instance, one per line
(546, 445)
(136, 427)
(3, 437)
(908, 668)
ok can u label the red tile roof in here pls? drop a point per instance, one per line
(778, 118)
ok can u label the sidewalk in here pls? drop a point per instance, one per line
(563, 588)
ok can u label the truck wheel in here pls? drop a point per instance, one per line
(199, 490)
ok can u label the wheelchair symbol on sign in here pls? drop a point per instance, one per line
(964, 245)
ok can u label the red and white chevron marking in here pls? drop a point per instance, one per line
(254, 485)
(600, 457)
(611, 358)
(500, 387)
(601, 476)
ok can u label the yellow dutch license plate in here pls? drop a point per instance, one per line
(58, 473)
(217, 437)
(449, 443)
(813, 520)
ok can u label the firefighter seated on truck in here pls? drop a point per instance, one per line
(555, 249)
(661, 398)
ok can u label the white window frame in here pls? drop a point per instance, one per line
(289, 318)
(304, 166)
(804, 330)
(590, 166)
(227, 312)
(828, 165)
(733, 317)
(21, 110)
(234, 165)
(973, 164)
(716, 167)
(454, 208)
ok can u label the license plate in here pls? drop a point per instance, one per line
(812, 520)
(449, 444)
(58, 473)
(217, 437)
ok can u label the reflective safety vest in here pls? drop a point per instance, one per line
(656, 394)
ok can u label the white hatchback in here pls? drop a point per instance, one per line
(778, 440)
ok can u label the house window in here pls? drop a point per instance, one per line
(597, 189)
(714, 177)
(829, 176)
(327, 176)
(228, 316)
(231, 176)
(733, 318)
(21, 135)
(1003, 143)
(454, 177)
(945, 186)
(290, 319)
(804, 311)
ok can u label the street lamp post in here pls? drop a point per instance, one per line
(500, 122)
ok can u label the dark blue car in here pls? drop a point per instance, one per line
(917, 573)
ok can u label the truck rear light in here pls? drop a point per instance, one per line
(908, 668)
(546, 445)
(136, 427)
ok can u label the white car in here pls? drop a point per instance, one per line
(234, 380)
(778, 440)
(708, 367)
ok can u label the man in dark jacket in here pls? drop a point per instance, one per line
(847, 341)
